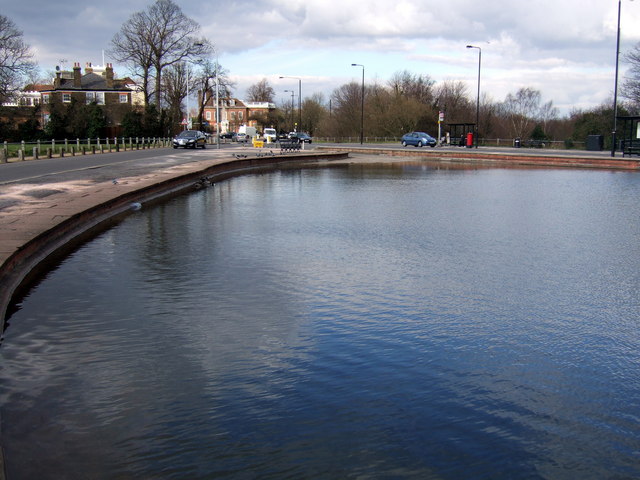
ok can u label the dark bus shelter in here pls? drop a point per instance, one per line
(629, 136)
(458, 133)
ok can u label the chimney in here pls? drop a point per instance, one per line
(77, 76)
(56, 81)
(109, 75)
(88, 68)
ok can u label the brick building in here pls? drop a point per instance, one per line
(234, 112)
(97, 84)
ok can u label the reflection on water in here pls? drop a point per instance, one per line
(374, 321)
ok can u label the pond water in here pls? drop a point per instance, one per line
(363, 321)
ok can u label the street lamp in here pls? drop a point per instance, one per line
(217, 103)
(299, 99)
(478, 99)
(362, 104)
(615, 88)
(292, 109)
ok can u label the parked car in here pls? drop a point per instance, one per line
(300, 137)
(228, 135)
(242, 138)
(190, 139)
(418, 139)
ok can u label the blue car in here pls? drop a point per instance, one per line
(418, 139)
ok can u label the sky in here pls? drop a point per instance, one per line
(566, 49)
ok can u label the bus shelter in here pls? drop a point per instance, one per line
(629, 136)
(458, 133)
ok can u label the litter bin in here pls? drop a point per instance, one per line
(516, 142)
(595, 142)
(469, 140)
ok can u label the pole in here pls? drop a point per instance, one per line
(615, 89)
(300, 104)
(186, 127)
(361, 104)
(478, 97)
(217, 108)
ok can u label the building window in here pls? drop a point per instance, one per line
(233, 116)
(100, 98)
(66, 97)
(45, 98)
(240, 116)
(124, 98)
(90, 97)
(208, 115)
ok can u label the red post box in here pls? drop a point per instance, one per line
(469, 140)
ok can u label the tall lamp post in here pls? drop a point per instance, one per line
(478, 98)
(299, 99)
(217, 103)
(615, 88)
(361, 105)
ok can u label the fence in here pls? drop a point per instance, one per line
(60, 148)
(484, 142)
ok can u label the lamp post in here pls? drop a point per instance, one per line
(362, 104)
(217, 104)
(615, 87)
(299, 99)
(478, 98)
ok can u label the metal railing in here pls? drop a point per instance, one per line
(59, 148)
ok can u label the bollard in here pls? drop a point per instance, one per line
(117, 147)
(3, 156)
(20, 155)
(35, 153)
(93, 149)
(62, 153)
(84, 150)
(73, 151)
(49, 154)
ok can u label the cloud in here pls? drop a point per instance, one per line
(566, 49)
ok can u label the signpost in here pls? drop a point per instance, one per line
(440, 120)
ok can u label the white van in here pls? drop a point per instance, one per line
(249, 131)
(270, 135)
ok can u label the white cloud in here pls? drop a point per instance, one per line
(566, 49)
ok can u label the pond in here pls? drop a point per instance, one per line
(401, 320)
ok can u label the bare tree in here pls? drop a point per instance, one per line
(522, 109)
(204, 82)
(157, 38)
(546, 114)
(313, 113)
(347, 103)
(451, 97)
(15, 59)
(175, 91)
(407, 84)
(261, 92)
(631, 86)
